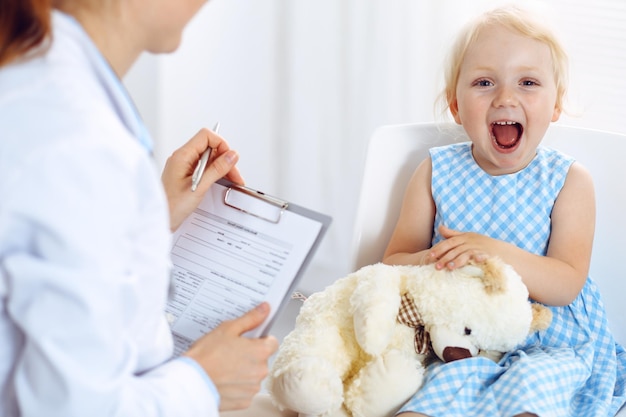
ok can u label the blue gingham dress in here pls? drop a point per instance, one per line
(574, 368)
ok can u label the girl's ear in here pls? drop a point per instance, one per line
(556, 114)
(453, 105)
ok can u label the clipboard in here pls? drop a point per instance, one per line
(238, 248)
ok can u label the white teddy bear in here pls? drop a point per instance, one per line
(359, 347)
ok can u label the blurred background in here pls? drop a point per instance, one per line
(300, 85)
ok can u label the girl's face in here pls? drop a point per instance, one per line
(505, 98)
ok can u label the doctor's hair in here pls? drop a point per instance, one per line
(24, 25)
(519, 20)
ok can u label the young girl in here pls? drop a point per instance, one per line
(85, 227)
(502, 194)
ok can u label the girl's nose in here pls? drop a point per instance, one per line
(505, 97)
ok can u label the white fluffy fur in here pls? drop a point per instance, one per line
(348, 355)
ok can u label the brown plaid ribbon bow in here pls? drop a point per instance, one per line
(408, 315)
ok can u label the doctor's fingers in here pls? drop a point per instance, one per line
(243, 382)
(206, 138)
(222, 166)
(249, 321)
(193, 149)
(237, 396)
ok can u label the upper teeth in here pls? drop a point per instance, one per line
(505, 123)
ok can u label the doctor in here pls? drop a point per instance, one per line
(85, 225)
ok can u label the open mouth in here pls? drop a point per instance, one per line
(506, 134)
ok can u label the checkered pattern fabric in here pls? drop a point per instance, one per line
(408, 315)
(574, 368)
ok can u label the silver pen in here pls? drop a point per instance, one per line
(199, 171)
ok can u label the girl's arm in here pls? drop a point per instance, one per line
(558, 277)
(412, 236)
(555, 279)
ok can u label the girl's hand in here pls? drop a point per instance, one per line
(179, 168)
(459, 248)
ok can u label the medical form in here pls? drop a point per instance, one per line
(237, 249)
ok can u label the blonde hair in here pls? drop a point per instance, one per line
(519, 20)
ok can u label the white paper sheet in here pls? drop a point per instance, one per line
(227, 261)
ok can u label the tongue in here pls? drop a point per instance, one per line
(506, 135)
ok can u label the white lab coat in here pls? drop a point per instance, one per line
(84, 248)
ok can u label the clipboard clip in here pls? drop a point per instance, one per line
(247, 200)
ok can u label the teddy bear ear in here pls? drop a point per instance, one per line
(493, 275)
(542, 316)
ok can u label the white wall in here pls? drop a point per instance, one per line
(299, 86)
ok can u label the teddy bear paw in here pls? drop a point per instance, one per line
(309, 386)
(384, 384)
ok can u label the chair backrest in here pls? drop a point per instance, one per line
(395, 151)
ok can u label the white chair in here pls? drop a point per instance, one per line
(395, 151)
(392, 156)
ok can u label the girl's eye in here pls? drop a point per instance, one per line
(529, 83)
(483, 83)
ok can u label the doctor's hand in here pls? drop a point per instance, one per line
(176, 176)
(236, 364)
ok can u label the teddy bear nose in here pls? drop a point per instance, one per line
(455, 353)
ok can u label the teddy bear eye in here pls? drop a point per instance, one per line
(468, 331)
